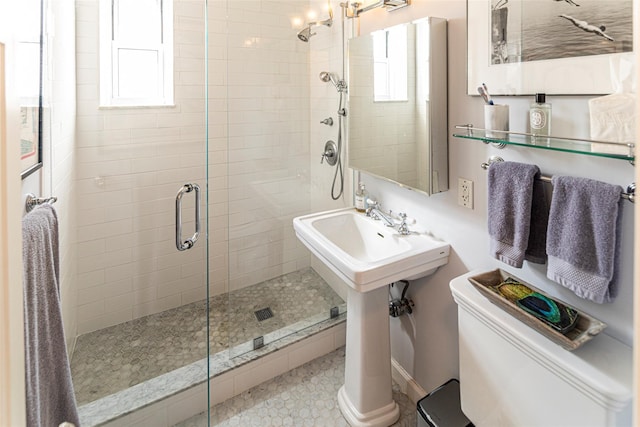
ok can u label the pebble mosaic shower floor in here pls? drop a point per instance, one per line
(305, 396)
(115, 358)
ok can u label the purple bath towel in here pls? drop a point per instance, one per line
(582, 238)
(511, 204)
(50, 397)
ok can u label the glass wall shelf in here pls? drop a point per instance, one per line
(568, 145)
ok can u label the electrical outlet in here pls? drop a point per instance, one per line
(465, 193)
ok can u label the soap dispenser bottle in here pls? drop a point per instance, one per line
(361, 198)
(540, 116)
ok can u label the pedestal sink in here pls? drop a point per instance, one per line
(368, 256)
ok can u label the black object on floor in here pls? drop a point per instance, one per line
(441, 407)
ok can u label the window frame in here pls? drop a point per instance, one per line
(109, 63)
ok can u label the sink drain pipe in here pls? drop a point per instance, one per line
(403, 305)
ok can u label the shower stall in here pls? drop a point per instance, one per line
(245, 128)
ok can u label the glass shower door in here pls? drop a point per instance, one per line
(141, 255)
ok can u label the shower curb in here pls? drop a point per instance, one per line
(182, 393)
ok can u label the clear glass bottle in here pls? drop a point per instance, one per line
(540, 116)
(361, 198)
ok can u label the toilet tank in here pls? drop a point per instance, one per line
(510, 375)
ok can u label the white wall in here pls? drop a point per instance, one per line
(12, 361)
(426, 342)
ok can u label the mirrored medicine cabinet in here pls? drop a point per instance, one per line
(398, 104)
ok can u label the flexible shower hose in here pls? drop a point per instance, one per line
(341, 114)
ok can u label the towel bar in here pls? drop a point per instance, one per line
(630, 194)
(33, 201)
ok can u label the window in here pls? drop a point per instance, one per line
(390, 64)
(136, 52)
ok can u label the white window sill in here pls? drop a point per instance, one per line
(120, 107)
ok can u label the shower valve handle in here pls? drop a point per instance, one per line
(327, 155)
(330, 153)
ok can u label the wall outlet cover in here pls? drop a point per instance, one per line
(465, 193)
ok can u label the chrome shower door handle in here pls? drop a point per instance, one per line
(187, 244)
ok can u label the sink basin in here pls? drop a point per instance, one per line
(365, 253)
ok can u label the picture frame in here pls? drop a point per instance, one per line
(597, 74)
(30, 140)
(30, 58)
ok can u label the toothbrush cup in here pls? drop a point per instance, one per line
(496, 118)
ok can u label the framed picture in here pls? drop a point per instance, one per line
(29, 57)
(558, 47)
(30, 142)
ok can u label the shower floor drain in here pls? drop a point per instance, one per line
(264, 314)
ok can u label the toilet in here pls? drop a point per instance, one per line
(511, 375)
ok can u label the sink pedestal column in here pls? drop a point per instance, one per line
(366, 398)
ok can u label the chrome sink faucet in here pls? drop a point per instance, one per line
(374, 211)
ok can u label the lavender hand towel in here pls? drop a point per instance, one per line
(582, 238)
(510, 196)
(50, 396)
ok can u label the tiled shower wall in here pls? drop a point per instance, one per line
(58, 142)
(131, 163)
(268, 122)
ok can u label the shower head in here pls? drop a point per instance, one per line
(305, 34)
(326, 76)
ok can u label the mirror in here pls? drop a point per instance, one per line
(398, 105)
(29, 57)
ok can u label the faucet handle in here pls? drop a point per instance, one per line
(407, 220)
(403, 226)
(370, 205)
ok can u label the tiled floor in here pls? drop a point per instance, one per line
(115, 358)
(305, 396)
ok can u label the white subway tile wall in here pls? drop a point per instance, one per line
(59, 125)
(131, 162)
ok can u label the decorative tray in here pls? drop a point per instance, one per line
(564, 325)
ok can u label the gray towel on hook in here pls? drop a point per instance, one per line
(50, 397)
(583, 236)
(510, 200)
